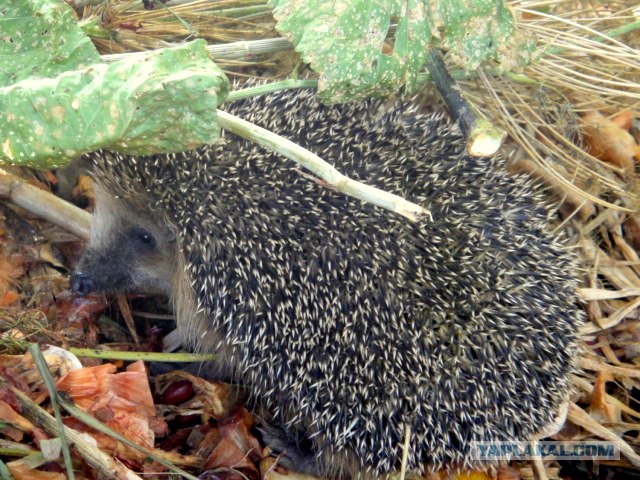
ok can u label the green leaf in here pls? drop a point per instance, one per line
(348, 41)
(164, 103)
(58, 101)
(40, 38)
(474, 31)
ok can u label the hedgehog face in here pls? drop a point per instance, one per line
(127, 252)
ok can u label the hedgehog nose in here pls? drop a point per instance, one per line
(81, 284)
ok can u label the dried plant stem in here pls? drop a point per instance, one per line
(538, 464)
(600, 366)
(86, 3)
(483, 139)
(573, 23)
(43, 369)
(331, 177)
(44, 205)
(583, 419)
(590, 294)
(612, 320)
(145, 356)
(234, 50)
(405, 452)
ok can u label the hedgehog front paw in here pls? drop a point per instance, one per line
(292, 454)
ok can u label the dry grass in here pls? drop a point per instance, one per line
(128, 27)
(582, 70)
(585, 70)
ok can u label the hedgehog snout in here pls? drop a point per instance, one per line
(81, 283)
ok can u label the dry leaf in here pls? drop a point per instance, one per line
(237, 448)
(11, 269)
(9, 298)
(122, 401)
(18, 424)
(608, 142)
(624, 120)
(236, 427)
(86, 384)
(227, 454)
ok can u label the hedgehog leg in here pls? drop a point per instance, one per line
(293, 455)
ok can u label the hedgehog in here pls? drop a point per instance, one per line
(357, 330)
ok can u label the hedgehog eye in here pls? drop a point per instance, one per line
(143, 238)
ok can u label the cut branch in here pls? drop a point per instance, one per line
(333, 178)
(483, 139)
(44, 205)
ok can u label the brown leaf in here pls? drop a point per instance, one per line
(236, 427)
(13, 418)
(624, 120)
(608, 142)
(227, 454)
(236, 447)
(76, 317)
(9, 298)
(122, 401)
(11, 269)
(86, 384)
(79, 309)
